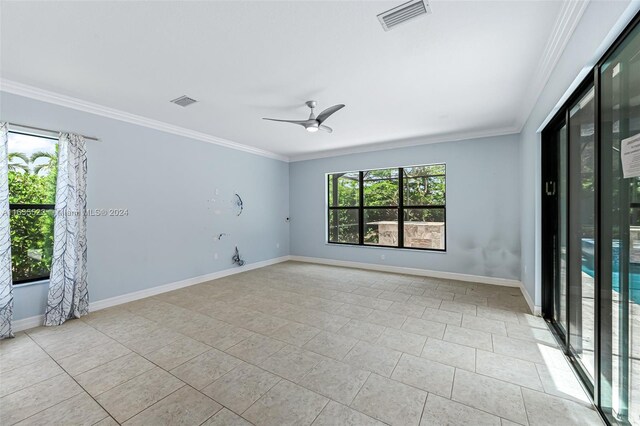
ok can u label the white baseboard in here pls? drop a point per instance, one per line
(535, 309)
(410, 271)
(27, 323)
(35, 321)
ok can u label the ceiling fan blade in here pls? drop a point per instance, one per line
(327, 112)
(325, 128)
(300, 122)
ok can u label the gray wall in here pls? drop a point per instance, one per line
(601, 23)
(166, 182)
(483, 207)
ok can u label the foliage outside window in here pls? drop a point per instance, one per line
(400, 207)
(32, 184)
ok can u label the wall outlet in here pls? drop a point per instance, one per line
(277, 245)
(215, 256)
(382, 257)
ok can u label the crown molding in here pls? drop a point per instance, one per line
(404, 143)
(32, 92)
(570, 14)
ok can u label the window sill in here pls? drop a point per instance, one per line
(386, 248)
(22, 285)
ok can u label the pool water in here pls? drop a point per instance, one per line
(634, 274)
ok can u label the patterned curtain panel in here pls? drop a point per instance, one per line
(68, 296)
(6, 286)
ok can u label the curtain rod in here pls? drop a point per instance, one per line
(39, 129)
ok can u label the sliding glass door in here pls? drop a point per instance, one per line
(591, 229)
(620, 127)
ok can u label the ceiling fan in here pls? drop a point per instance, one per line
(313, 124)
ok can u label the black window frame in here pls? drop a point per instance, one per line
(14, 208)
(400, 207)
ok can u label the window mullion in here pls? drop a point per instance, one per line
(401, 207)
(361, 209)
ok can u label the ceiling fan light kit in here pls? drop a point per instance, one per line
(313, 123)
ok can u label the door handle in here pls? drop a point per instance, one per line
(550, 187)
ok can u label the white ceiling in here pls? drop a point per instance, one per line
(464, 70)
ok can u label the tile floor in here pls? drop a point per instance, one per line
(298, 344)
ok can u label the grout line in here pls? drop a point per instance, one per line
(72, 378)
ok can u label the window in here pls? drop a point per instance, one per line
(32, 184)
(401, 207)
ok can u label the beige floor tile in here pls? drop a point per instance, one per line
(108, 421)
(24, 403)
(562, 382)
(78, 410)
(473, 322)
(264, 324)
(286, 404)
(402, 341)
(532, 321)
(335, 414)
(92, 358)
(373, 358)
(497, 314)
(295, 333)
(362, 330)
(472, 338)
(512, 370)
(424, 374)
(545, 409)
(464, 308)
(225, 417)
(113, 373)
(291, 362)
(413, 291)
(390, 401)
(439, 294)
(332, 345)
(388, 319)
(471, 299)
(206, 368)
(427, 302)
(424, 327)
(532, 334)
(393, 296)
(336, 380)
(459, 356)
(220, 335)
(440, 411)
(366, 291)
(444, 317)
(494, 396)
(528, 351)
(353, 311)
(129, 398)
(20, 351)
(186, 406)
(146, 341)
(23, 377)
(177, 352)
(256, 348)
(407, 308)
(63, 344)
(241, 387)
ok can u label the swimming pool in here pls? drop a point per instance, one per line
(634, 273)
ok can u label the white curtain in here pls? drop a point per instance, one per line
(68, 296)
(6, 286)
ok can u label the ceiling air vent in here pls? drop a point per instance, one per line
(403, 13)
(184, 101)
